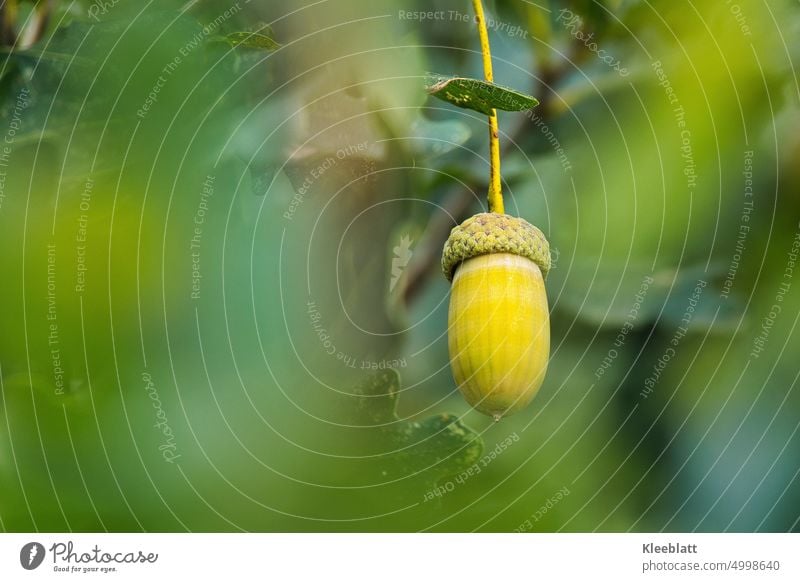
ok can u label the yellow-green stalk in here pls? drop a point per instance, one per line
(498, 319)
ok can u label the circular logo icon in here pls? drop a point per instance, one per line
(31, 555)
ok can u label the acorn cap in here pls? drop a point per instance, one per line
(489, 233)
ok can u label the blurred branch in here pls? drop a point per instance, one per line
(455, 207)
(575, 94)
(549, 71)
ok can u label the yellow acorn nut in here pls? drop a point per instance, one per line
(498, 320)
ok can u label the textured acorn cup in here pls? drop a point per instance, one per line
(499, 323)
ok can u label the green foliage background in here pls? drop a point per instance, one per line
(323, 153)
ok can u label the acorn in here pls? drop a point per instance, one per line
(498, 320)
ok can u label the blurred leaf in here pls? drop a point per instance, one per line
(262, 178)
(439, 446)
(478, 95)
(252, 40)
(711, 311)
(434, 138)
(609, 294)
(516, 169)
(442, 444)
(603, 294)
(34, 55)
(377, 397)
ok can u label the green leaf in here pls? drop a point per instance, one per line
(438, 446)
(478, 95)
(250, 40)
(441, 445)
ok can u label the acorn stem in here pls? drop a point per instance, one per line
(495, 188)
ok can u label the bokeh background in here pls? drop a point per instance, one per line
(221, 305)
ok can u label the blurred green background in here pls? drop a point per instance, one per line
(222, 308)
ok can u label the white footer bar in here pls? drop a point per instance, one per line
(401, 557)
